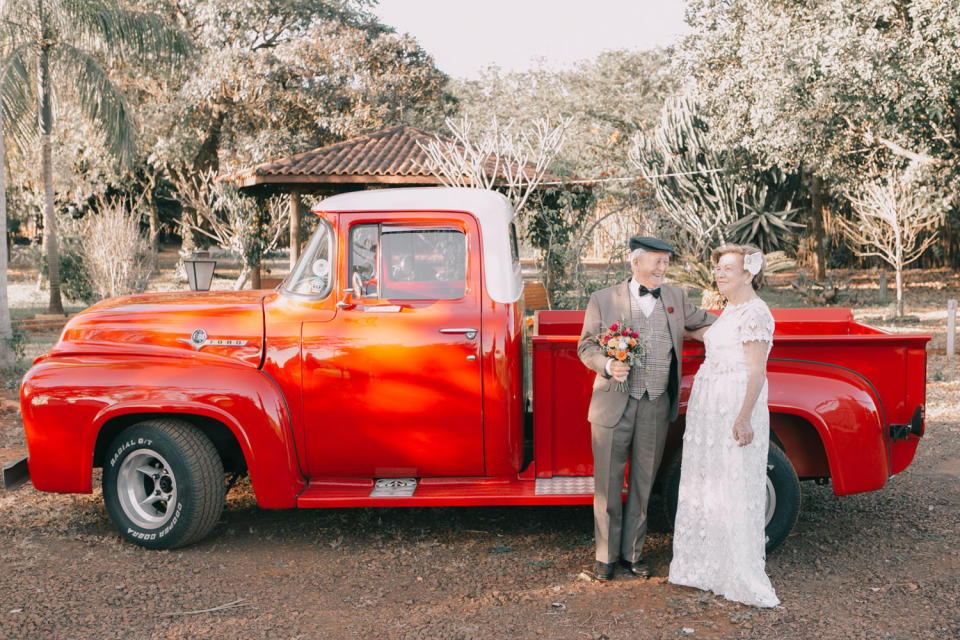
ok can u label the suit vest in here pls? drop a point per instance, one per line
(651, 373)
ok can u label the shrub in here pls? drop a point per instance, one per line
(75, 283)
(116, 257)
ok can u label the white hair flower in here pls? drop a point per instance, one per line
(753, 262)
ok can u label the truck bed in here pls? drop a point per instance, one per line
(809, 341)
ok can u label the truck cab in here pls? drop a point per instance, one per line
(407, 305)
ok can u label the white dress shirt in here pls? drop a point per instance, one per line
(646, 302)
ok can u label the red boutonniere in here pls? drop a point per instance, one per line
(669, 309)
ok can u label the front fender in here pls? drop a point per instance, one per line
(845, 411)
(66, 402)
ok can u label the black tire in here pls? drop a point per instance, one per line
(175, 464)
(783, 489)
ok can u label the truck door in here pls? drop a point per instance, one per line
(392, 384)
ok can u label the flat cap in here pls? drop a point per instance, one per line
(649, 244)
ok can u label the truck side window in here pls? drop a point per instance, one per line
(363, 260)
(312, 274)
(423, 264)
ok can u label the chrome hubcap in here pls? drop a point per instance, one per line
(146, 488)
(771, 501)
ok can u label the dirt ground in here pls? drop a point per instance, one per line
(878, 565)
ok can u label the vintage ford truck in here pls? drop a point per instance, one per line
(388, 369)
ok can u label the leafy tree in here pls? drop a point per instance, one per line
(274, 78)
(282, 76)
(845, 89)
(67, 44)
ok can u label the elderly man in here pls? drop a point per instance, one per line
(633, 423)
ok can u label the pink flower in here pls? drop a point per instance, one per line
(614, 326)
(634, 334)
(625, 331)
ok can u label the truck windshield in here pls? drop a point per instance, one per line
(311, 276)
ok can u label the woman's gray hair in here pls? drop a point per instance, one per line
(742, 250)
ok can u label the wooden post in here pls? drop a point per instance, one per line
(951, 326)
(294, 228)
(883, 288)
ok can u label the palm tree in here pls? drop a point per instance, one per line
(72, 41)
(14, 96)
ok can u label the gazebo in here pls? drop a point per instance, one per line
(390, 157)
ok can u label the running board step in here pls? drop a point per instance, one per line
(444, 492)
(394, 488)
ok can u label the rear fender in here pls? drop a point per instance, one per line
(66, 403)
(848, 417)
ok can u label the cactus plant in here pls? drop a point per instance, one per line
(714, 195)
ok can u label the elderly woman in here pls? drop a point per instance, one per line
(718, 541)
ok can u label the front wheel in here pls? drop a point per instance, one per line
(783, 494)
(163, 484)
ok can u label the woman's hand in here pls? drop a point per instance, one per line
(742, 433)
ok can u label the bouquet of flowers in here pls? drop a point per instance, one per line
(622, 342)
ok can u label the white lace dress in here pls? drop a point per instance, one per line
(718, 541)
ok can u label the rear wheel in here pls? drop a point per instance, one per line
(163, 484)
(783, 494)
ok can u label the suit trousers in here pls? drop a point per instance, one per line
(639, 436)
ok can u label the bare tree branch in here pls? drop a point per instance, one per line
(499, 156)
(892, 224)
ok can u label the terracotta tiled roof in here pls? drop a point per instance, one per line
(390, 156)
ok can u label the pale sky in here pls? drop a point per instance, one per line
(464, 36)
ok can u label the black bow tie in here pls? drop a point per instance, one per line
(644, 291)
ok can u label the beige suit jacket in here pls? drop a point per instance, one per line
(613, 305)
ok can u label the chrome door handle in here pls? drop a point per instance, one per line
(466, 331)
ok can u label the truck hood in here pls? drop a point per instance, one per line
(201, 325)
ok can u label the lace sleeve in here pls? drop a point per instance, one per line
(756, 323)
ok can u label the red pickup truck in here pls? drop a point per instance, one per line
(388, 369)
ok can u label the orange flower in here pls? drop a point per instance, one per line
(609, 352)
(621, 355)
(633, 343)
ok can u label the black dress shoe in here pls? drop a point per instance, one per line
(638, 568)
(605, 570)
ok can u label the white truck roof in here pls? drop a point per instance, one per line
(492, 210)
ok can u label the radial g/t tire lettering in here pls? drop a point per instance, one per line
(163, 484)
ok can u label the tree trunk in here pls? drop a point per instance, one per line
(899, 291)
(208, 157)
(49, 215)
(7, 356)
(188, 241)
(242, 278)
(154, 212)
(294, 228)
(816, 228)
